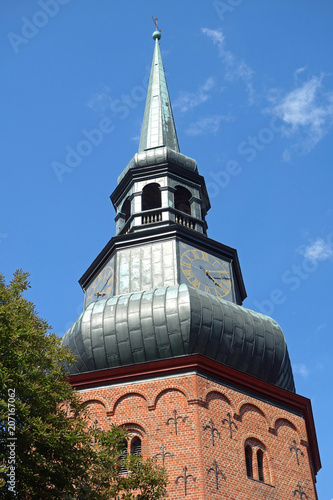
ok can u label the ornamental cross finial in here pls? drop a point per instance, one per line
(296, 450)
(300, 491)
(155, 22)
(186, 477)
(212, 430)
(174, 419)
(217, 472)
(230, 424)
(163, 454)
(94, 429)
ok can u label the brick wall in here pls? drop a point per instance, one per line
(205, 426)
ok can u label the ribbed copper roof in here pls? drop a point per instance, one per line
(178, 321)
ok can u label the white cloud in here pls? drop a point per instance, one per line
(320, 249)
(189, 100)
(299, 107)
(235, 69)
(302, 370)
(215, 35)
(299, 71)
(206, 125)
(307, 112)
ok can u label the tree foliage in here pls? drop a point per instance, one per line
(48, 448)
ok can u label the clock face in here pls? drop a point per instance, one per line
(102, 286)
(205, 272)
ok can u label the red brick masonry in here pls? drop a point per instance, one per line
(218, 411)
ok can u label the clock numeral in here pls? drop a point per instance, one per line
(186, 264)
(221, 290)
(205, 256)
(207, 289)
(188, 255)
(224, 287)
(188, 273)
(198, 254)
(196, 283)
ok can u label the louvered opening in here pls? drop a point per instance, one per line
(248, 461)
(136, 446)
(260, 460)
(122, 459)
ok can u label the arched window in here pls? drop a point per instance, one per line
(256, 461)
(260, 462)
(182, 199)
(248, 461)
(151, 196)
(136, 446)
(126, 208)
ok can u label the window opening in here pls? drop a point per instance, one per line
(122, 458)
(182, 200)
(248, 461)
(136, 446)
(260, 460)
(126, 208)
(151, 196)
(134, 449)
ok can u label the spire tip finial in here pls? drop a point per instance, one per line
(157, 33)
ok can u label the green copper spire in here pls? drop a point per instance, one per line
(158, 127)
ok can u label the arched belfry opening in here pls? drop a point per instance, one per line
(151, 196)
(151, 201)
(126, 209)
(182, 197)
(182, 200)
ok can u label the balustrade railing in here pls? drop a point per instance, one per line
(155, 216)
(152, 217)
(185, 221)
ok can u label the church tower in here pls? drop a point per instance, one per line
(166, 349)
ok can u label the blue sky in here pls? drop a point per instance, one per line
(251, 83)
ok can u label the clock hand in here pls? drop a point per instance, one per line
(219, 277)
(213, 279)
(101, 292)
